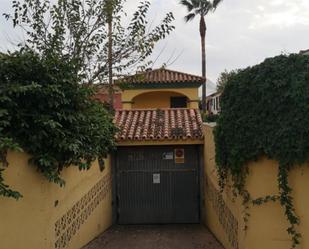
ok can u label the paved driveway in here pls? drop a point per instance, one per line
(156, 237)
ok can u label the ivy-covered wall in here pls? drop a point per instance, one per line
(265, 112)
(52, 217)
(266, 225)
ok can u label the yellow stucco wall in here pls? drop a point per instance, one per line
(157, 98)
(52, 217)
(154, 100)
(221, 215)
(267, 224)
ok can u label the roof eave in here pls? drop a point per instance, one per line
(152, 85)
(199, 141)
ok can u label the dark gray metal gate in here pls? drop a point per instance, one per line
(153, 189)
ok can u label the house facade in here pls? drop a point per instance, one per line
(160, 88)
(304, 52)
(213, 103)
(159, 148)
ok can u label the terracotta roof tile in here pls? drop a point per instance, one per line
(158, 124)
(161, 76)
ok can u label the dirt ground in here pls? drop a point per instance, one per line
(156, 237)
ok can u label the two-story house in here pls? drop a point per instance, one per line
(159, 155)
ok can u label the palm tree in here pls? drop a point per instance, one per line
(201, 8)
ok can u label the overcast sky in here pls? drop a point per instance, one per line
(240, 33)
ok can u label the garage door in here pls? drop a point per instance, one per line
(157, 185)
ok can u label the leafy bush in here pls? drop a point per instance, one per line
(265, 111)
(45, 112)
(210, 118)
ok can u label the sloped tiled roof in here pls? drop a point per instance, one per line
(161, 76)
(158, 124)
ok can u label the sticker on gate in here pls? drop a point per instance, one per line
(179, 155)
(168, 155)
(156, 178)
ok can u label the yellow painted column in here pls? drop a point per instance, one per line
(126, 105)
(193, 104)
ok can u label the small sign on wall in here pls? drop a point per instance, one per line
(156, 179)
(179, 156)
(168, 155)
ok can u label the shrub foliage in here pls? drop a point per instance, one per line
(265, 111)
(45, 112)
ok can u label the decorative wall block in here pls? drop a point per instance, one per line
(225, 216)
(68, 225)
